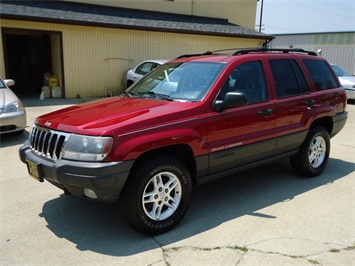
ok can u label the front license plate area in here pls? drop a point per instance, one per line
(34, 170)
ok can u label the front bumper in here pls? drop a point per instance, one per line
(350, 93)
(105, 179)
(11, 122)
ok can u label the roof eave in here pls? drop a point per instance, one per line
(131, 27)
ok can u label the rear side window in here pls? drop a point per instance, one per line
(145, 68)
(321, 74)
(288, 78)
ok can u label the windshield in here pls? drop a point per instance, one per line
(2, 85)
(339, 72)
(177, 81)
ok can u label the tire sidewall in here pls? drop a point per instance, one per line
(314, 133)
(142, 222)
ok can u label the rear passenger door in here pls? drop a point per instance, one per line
(245, 134)
(294, 103)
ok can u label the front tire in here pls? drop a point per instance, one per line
(312, 158)
(156, 195)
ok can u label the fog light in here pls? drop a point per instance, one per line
(89, 193)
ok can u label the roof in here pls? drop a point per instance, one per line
(314, 33)
(65, 12)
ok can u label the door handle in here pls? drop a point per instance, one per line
(309, 103)
(265, 112)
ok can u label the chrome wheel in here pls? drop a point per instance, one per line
(161, 196)
(317, 151)
(156, 195)
(312, 157)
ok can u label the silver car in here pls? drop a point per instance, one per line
(12, 111)
(346, 80)
(135, 74)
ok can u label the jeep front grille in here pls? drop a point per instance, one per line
(47, 143)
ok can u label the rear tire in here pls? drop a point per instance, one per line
(312, 158)
(156, 196)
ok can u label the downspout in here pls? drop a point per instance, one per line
(192, 7)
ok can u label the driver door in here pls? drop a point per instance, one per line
(245, 134)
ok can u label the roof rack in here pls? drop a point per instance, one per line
(250, 50)
(246, 51)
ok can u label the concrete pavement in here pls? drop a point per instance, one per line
(265, 216)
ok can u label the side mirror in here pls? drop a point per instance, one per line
(231, 100)
(9, 82)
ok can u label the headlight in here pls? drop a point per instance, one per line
(86, 148)
(13, 107)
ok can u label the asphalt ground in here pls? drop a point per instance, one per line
(264, 216)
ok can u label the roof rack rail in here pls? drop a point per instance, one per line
(246, 51)
(212, 52)
(191, 55)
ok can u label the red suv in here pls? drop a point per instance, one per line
(191, 120)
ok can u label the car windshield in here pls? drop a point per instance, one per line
(2, 85)
(177, 81)
(340, 72)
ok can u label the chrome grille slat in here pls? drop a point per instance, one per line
(48, 152)
(47, 143)
(40, 144)
(35, 138)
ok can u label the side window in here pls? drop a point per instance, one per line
(288, 78)
(144, 68)
(248, 78)
(154, 66)
(321, 74)
(300, 78)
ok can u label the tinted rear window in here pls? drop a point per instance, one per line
(321, 74)
(288, 78)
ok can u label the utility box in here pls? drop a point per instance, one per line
(53, 82)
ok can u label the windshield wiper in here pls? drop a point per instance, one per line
(158, 95)
(128, 94)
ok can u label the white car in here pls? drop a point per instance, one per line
(140, 70)
(346, 80)
(12, 111)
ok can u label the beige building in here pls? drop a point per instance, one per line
(88, 47)
(336, 47)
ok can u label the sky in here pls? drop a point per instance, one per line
(304, 16)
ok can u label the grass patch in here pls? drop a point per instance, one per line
(244, 249)
(350, 248)
(313, 262)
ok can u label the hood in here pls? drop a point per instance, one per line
(117, 114)
(347, 82)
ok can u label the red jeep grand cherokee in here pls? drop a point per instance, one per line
(192, 120)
